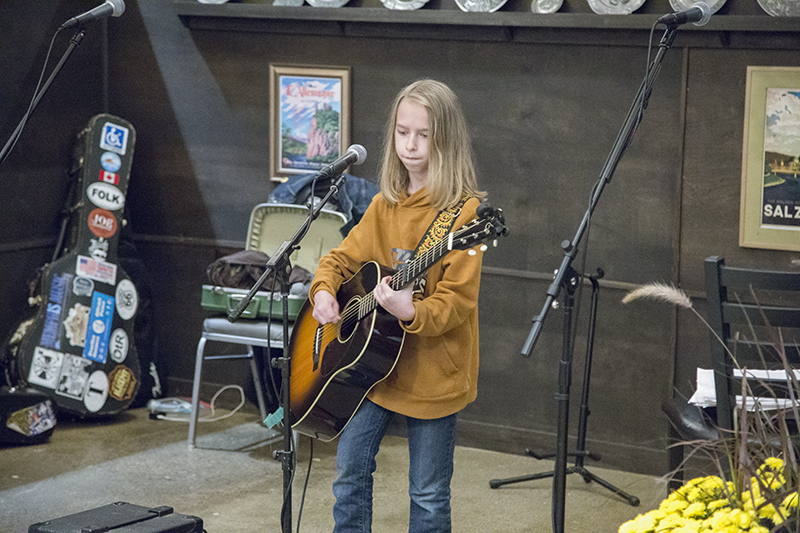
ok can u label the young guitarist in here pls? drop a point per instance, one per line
(428, 188)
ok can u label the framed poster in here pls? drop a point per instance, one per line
(309, 118)
(770, 204)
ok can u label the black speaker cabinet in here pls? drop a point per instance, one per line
(122, 517)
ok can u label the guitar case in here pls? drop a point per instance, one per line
(77, 344)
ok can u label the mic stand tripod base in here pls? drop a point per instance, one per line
(588, 477)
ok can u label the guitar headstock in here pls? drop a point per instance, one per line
(489, 225)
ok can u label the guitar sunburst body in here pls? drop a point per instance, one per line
(329, 383)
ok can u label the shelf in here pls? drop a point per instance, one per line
(517, 26)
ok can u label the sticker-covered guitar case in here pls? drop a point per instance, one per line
(78, 347)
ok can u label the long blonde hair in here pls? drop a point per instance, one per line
(451, 170)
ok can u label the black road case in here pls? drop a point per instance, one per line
(122, 517)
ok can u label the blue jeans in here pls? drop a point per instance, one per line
(431, 444)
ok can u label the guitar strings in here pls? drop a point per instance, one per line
(367, 304)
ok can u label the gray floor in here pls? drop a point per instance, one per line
(231, 481)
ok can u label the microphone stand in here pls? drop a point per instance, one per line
(566, 277)
(280, 264)
(74, 42)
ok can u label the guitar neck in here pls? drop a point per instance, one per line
(413, 269)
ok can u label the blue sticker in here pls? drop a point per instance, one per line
(115, 138)
(110, 161)
(53, 327)
(99, 327)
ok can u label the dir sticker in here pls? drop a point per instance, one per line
(118, 345)
(114, 138)
(102, 223)
(127, 299)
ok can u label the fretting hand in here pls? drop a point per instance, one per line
(399, 303)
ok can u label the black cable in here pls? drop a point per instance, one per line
(18, 132)
(305, 485)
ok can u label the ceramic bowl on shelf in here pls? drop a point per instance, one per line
(404, 5)
(615, 7)
(480, 6)
(781, 8)
(680, 5)
(546, 6)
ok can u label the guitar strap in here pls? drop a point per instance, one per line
(436, 232)
(440, 226)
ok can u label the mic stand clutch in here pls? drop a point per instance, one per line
(567, 277)
(280, 264)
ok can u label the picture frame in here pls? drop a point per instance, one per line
(770, 196)
(309, 118)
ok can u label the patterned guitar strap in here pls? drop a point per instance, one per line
(437, 231)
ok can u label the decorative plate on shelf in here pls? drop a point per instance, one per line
(680, 5)
(480, 6)
(615, 7)
(404, 5)
(781, 8)
(546, 6)
(327, 3)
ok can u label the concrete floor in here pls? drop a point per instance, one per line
(231, 481)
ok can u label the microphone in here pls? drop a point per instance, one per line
(698, 14)
(355, 155)
(109, 8)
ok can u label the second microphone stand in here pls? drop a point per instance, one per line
(567, 278)
(580, 451)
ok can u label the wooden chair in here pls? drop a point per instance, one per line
(747, 310)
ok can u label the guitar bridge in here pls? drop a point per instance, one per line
(317, 346)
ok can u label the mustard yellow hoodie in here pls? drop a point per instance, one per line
(437, 372)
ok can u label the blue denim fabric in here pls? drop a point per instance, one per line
(431, 444)
(352, 199)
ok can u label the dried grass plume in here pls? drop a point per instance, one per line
(660, 292)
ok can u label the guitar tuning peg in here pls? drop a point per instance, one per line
(472, 252)
(484, 247)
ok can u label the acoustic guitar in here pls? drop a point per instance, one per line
(334, 366)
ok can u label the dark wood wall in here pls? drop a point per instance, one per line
(544, 100)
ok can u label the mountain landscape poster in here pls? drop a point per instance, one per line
(309, 118)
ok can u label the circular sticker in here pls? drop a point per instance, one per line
(105, 195)
(110, 161)
(118, 345)
(98, 326)
(102, 223)
(96, 391)
(127, 299)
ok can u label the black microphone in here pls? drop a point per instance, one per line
(698, 14)
(355, 155)
(109, 8)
